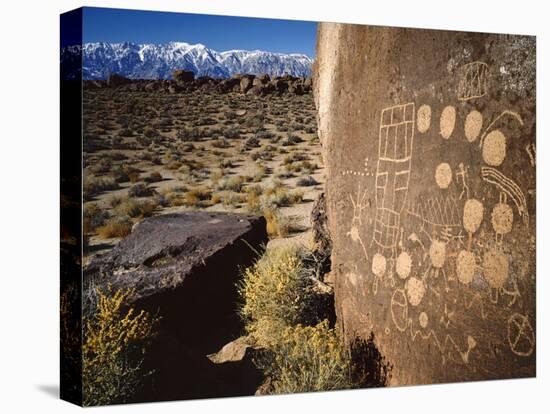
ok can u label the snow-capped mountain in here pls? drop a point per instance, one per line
(158, 61)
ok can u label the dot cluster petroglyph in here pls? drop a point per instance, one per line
(437, 244)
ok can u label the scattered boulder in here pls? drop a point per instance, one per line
(246, 83)
(256, 91)
(183, 76)
(115, 80)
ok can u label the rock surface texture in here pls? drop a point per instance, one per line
(429, 143)
(184, 267)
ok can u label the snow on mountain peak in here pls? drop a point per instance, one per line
(158, 61)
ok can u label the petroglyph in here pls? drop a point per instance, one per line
(447, 121)
(521, 336)
(415, 289)
(403, 265)
(437, 253)
(532, 152)
(495, 268)
(502, 218)
(423, 320)
(424, 118)
(473, 81)
(494, 148)
(512, 114)
(443, 175)
(506, 185)
(462, 175)
(438, 217)
(473, 215)
(393, 171)
(473, 125)
(359, 204)
(378, 265)
(399, 310)
(465, 266)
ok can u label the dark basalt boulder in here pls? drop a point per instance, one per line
(184, 267)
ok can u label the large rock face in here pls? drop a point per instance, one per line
(184, 267)
(429, 142)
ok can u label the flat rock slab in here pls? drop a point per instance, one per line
(162, 252)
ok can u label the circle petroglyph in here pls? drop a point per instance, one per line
(495, 268)
(447, 121)
(443, 175)
(521, 336)
(502, 218)
(399, 309)
(415, 290)
(472, 215)
(403, 265)
(424, 118)
(494, 148)
(437, 253)
(378, 264)
(423, 319)
(465, 266)
(472, 126)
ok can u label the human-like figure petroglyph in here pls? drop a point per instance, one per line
(473, 81)
(462, 176)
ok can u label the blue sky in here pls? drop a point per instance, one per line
(217, 32)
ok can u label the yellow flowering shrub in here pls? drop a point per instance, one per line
(305, 354)
(309, 358)
(275, 294)
(115, 339)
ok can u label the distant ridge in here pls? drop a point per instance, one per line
(158, 61)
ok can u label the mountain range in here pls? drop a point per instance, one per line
(158, 61)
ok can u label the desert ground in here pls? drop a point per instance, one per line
(154, 152)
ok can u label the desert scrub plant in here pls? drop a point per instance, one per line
(282, 312)
(136, 208)
(277, 224)
(275, 293)
(95, 185)
(234, 183)
(306, 359)
(115, 339)
(118, 227)
(93, 217)
(141, 190)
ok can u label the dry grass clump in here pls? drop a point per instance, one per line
(277, 224)
(234, 183)
(96, 185)
(93, 217)
(136, 208)
(118, 227)
(307, 359)
(115, 338)
(197, 197)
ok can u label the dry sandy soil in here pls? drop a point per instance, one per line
(149, 153)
